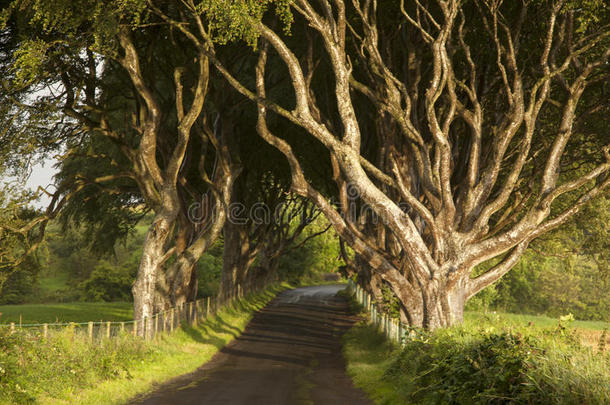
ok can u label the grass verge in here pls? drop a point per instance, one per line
(487, 360)
(66, 369)
(368, 355)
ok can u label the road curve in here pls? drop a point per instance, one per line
(290, 353)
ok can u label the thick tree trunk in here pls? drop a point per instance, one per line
(184, 289)
(144, 288)
(443, 307)
(435, 306)
(268, 264)
(234, 257)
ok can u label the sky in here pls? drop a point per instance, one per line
(42, 175)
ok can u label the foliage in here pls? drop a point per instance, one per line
(566, 272)
(482, 362)
(108, 283)
(492, 366)
(232, 21)
(67, 368)
(30, 366)
(20, 283)
(316, 256)
(209, 269)
(18, 267)
(90, 274)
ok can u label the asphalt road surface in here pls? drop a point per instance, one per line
(290, 353)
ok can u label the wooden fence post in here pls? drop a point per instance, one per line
(197, 311)
(12, 327)
(45, 330)
(122, 327)
(399, 332)
(108, 330)
(171, 320)
(90, 331)
(135, 328)
(207, 308)
(156, 325)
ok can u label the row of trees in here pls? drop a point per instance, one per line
(434, 136)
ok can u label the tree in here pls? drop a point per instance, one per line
(139, 131)
(18, 267)
(473, 142)
(108, 77)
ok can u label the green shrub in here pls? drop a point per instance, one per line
(108, 283)
(209, 269)
(460, 366)
(31, 366)
(311, 260)
(19, 283)
(489, 368)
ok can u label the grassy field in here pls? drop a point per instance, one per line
(536, 320)
(87, 311)
(67, 369)
(588, 332)
(66, 312)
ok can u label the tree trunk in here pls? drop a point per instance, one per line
(435, 306)
(184, 288)
(144, 288)
(234, 257)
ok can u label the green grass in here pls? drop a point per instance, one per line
(589, 332)
(66, 312)
(90, 311)
(49, 283)
(67, 369)
(536, 320)
(487, 358)
(368, 356)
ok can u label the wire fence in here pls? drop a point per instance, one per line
(392, 328)
(189, 313)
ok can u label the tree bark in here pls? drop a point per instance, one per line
(234, 257)
(457, 180)
(144, 288)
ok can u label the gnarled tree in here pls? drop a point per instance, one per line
(103, 69)
(473, 107)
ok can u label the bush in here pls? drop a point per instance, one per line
(19, 283)
(318, 256)
(487, 369)
(108, 283)
(459, 365)
(209, 270)
(31, 367)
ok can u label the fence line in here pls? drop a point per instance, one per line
(393, 329)
(189, 313)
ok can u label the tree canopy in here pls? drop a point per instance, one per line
(434, 136)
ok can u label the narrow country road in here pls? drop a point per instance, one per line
(290, 353)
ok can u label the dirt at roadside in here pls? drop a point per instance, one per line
(290, 353)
